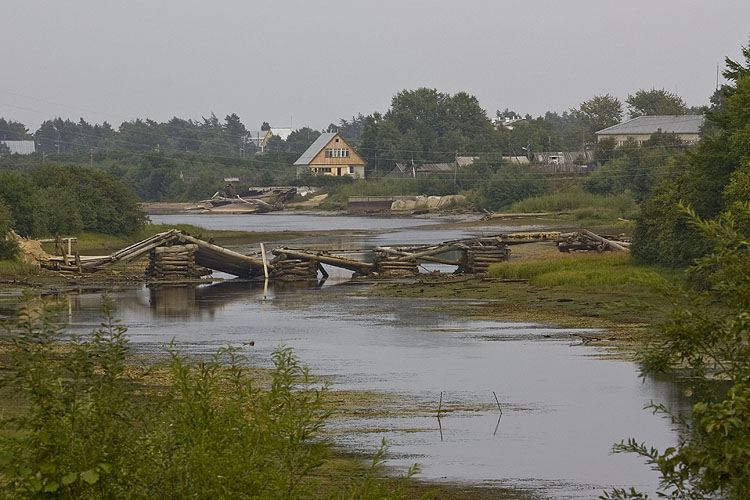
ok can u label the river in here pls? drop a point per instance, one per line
(563, 404)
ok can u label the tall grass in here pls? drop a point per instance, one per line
(13, 267)
(594, 271)
(581, 203)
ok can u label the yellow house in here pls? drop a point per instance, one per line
(331, 155)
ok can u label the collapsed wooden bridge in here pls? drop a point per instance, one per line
(176, 255)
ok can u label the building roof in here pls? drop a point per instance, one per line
(256, 136)
(561, 157)
(282, 133)
(466, 161)
(315, 148)
(647, 125)
(21, 147)
(436, 167)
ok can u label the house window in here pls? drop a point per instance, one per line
(351, 169)
(328, 153)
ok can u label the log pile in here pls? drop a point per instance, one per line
(175, 262)
(294, 270)
(586, 241)
(394, 268)
(477, 259)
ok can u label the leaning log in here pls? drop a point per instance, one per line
(352, 265)
(612, 244)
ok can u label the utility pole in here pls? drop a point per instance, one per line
(455, 169)
(717, 77)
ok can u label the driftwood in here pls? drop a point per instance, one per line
(589, 242)
(428, 258)
(610, 243)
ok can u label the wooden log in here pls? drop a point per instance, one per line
(352, 265)
(431, 251)
(611, 243)
(427, 258)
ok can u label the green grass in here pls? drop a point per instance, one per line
(580, 204)
(590, 271)
(17, 268)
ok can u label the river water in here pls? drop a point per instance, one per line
(563, 404)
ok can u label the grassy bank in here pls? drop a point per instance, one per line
(13, 267)
(607, 291)
(589, 271)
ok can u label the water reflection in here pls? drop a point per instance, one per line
(197, 300)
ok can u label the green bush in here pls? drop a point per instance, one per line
(576, 200)
(509, 184)
(93, 426)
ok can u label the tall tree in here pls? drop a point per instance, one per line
(598, 113)
(13, 131)
(235, 131)
(655, 102)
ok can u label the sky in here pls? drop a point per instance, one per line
(313, 62)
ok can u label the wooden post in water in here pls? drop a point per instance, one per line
(265, 265)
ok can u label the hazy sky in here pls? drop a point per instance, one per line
(314, 62)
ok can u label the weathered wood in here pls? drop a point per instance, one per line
(427, 258)
(352, 265)
(611, 243)
(432, 251)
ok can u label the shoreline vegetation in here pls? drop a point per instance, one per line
(94, 380)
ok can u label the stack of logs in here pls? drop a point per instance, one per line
(285, 269)
(175, 262)
(394, 267)
(477, 259)
(586, 241)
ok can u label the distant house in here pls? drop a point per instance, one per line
(466, 161)
(409, 169)
(331, 155)
(20, 147)
(259, 138)
(563, 161)
(640, 129)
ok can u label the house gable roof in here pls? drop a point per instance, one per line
(320, 144)
(282, 133)
(647, 125)
(20, 147)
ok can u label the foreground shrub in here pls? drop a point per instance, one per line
(92, 425)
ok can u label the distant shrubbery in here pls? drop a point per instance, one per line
(8, 246)
(54, 199)
(576, 200)
(507, 184)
